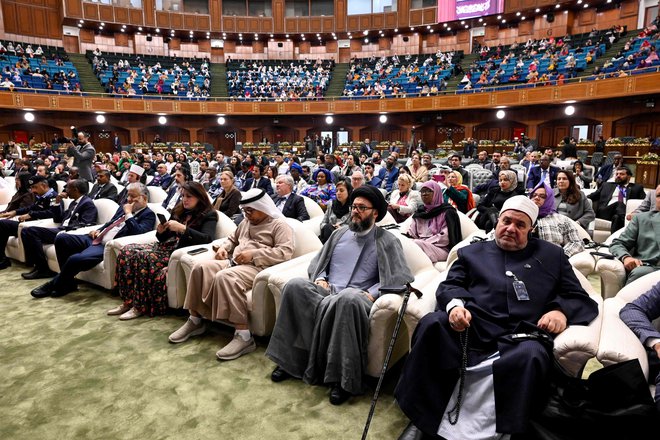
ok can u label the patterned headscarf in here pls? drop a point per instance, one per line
(548, 206)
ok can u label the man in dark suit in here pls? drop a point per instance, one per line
(135, 174)
(103, 188)
(40, 209)
(116, 143)
(542, 173)
(291, 204)
(162, 178)
(258, 180)
(611, 197)
(77, 253)
(608, 172)
(81, 212)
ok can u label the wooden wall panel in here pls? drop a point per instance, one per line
(328, 24)
(303, 24)
(241, 24)
(403, 16)
(163, 19)
(149, 7)
(204, 45)
(278, 16)
(378, 21)
(228, 24)
(463, 36)
(305, 47)
(290, 25)
(629, 9)
(176, 21)
(174, 44)
(121, 39)
(267, 25)
(106, 13)
(189, 22)
(512, 6)
(429, 16)
(365, 22)
(24, 19)
(587, 18)
(416, 17)
(10, 18)
(121, 15)
(258, 46)
(331, 46)
(491, 33)
(135, 16)
(340, 15)
(38, 25)
(203, 22)
(353, 23)
(254, 25)
(390, 20)
(230, 46)
(315, 25)
(526, 28)
(73, 8)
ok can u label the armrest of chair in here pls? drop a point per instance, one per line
(119, 243)
(579, 343)
(278, 280)
(584, 262)
(419, 307)
(612, 276)
(314, 224)
(617, 342)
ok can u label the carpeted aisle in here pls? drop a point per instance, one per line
(71, 372)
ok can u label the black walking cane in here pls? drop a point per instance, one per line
(406, 290)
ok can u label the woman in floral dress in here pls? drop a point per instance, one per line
(142, 268)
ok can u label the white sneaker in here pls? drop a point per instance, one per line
(186, 331)
(131, 314)
(123, 308)
(236, 348)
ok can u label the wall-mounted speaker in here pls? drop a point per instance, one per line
(280, 44)
(149, 38)
(405, 39)
(550, 17)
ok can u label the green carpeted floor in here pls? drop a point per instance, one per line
(71, 372)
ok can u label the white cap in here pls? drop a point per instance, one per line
(522, 204)
(137, 169)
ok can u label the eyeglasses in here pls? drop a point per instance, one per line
(247, 211)
(539, 196)
(361, 208)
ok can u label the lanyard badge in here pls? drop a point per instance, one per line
(519, 287)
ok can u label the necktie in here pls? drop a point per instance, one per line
(72, 208)
(99, 238)
(543, 176)
(622, 194)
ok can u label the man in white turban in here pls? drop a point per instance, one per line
(217, 288)
(498, 311)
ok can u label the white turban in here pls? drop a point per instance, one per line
(257, 199)
(522, 204)
(137, 169)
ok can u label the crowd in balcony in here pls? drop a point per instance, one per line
(145, 75)
(398, 77)
(278, 80)
(23, 66)
(639, 52)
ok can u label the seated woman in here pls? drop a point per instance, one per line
(436, 227)
(323, 190)
(142, 268)
(581, 178)
(229, 198)
(572, 202)
(23, 197)
(553, 227)
(339, 212)
(404, 201)
(458, 195)
(418, 171)
(489, 207)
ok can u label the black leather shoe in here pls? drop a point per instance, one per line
(43, 291)
(61, 291)
(411, 432)
(37, 274)
(5, 263)
(338, 395)
(278, 375)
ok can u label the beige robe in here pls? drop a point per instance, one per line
(218, 291)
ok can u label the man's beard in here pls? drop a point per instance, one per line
(360, 225)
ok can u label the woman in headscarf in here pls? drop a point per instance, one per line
(323, 190)
(142, 268)
(339, 211)
(489, 207)
(553, 227)
(23, 197)
(436, 227)
(458, 195)
(404, 200)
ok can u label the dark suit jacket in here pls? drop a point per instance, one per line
(85, 214)
(535, 173)
(82, 158)
(109, 191)
(163, 181)
(199, 233)
(263, 183)
(143, 222)
(603, 195)
(294, 207)
(604, 172)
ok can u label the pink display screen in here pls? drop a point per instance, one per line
(450, 10)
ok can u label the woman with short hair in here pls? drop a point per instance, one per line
(228, 201)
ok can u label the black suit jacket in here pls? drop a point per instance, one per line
(534, 177)
(294, 207)
(263, 183)
(85, 214)
(109, 191)
(200, 233)
(40, 209)
(603, 195)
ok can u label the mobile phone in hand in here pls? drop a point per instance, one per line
(161, 218)
(197, 251)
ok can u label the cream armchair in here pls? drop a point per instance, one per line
(573, 347)
(617, 342)
(611, 271)
(315, 215)
(385, 309)
(261, 303)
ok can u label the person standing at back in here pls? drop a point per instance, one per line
(83, 154)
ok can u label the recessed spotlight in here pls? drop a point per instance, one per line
(537, 10)
(382, 119)
(157, 30)
(500, 114)
(140, 28)
(29, 117)
(365, 32)
(329, 120)
(162, 120)
(557, 6)
(221, 120)
(569, 110)
(100, 119)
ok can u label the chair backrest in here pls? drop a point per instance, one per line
(224, 227)
(156, 194)
(60, 185)
(611, 155)
(106, 209)
(313, 208)
(467, 225)
(415, 257)
(479, 177)
(597, 159)
(630, 292)
(304, 240)
(582, 155)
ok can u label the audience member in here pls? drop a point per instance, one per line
(458, 195)
(572, 202)
(611, 197)
(323, 190)
(404, 201)
(290, 204)
(228, 201)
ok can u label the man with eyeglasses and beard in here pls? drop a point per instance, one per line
(321, 331)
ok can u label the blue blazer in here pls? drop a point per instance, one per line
(143, 222)
(85, 214)
(534, 177)
(264, 183)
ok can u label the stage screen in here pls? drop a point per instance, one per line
(450, 10)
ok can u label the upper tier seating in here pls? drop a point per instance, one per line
(138, 75)
(392, 77)
(280, 80)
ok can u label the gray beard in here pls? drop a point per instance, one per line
(360, 225)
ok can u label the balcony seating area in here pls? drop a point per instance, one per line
(279, 80)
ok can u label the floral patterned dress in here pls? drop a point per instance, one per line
(321, 194)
